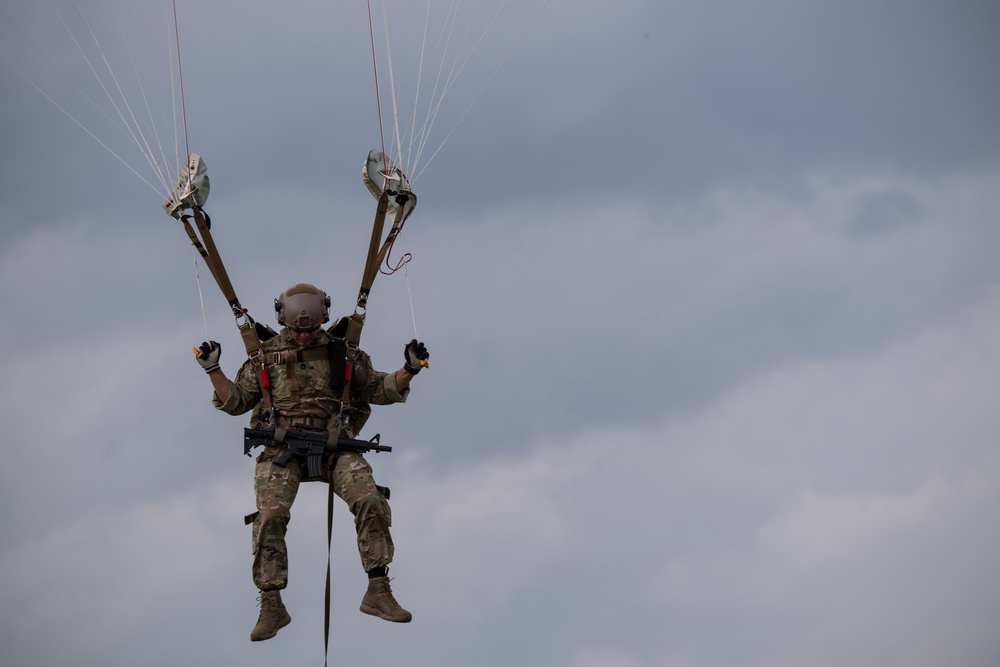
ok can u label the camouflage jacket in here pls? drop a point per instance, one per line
(300, 384)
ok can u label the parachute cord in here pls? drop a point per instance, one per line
(398, 133)
(133, 128)
(524, 34)
(389, 268)
(201, 296)
(378, 95)
(138, 131)
(441, 87)
(413, 316)
(180, 84)
(165, 180)
(80, 125)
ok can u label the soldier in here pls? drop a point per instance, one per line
(304, 376)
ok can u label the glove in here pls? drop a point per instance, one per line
(208, 354)
(416, 357)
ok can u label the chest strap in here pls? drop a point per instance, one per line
(296, 356)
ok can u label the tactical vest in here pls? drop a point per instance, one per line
(307, 385)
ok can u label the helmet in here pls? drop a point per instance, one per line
(302, 306)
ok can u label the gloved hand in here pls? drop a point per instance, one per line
(208, 354)
(416, 357)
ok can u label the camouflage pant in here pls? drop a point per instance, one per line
(276, 488)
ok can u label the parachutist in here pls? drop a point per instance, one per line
(307, 377)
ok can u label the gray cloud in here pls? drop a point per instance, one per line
(710, 295)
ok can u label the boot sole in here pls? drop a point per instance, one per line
(372, 611)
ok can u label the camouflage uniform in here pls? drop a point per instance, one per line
(301, 393)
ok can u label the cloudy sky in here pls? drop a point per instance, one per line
(713, 306)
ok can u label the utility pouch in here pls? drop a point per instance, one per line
(337, 351)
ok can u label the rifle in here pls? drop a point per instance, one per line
(311, 443)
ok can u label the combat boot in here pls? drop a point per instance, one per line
(378, 601)
(273, 616)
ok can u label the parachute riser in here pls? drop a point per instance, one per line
(205, 245)
(251, 333)
(373, 250)
(376, 255)
(391, 189)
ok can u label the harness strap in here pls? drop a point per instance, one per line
(329, 556)
(397, 226)
(249, 332)
(308, 354)
(372, 262)
(210, 253)
(377, 254)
